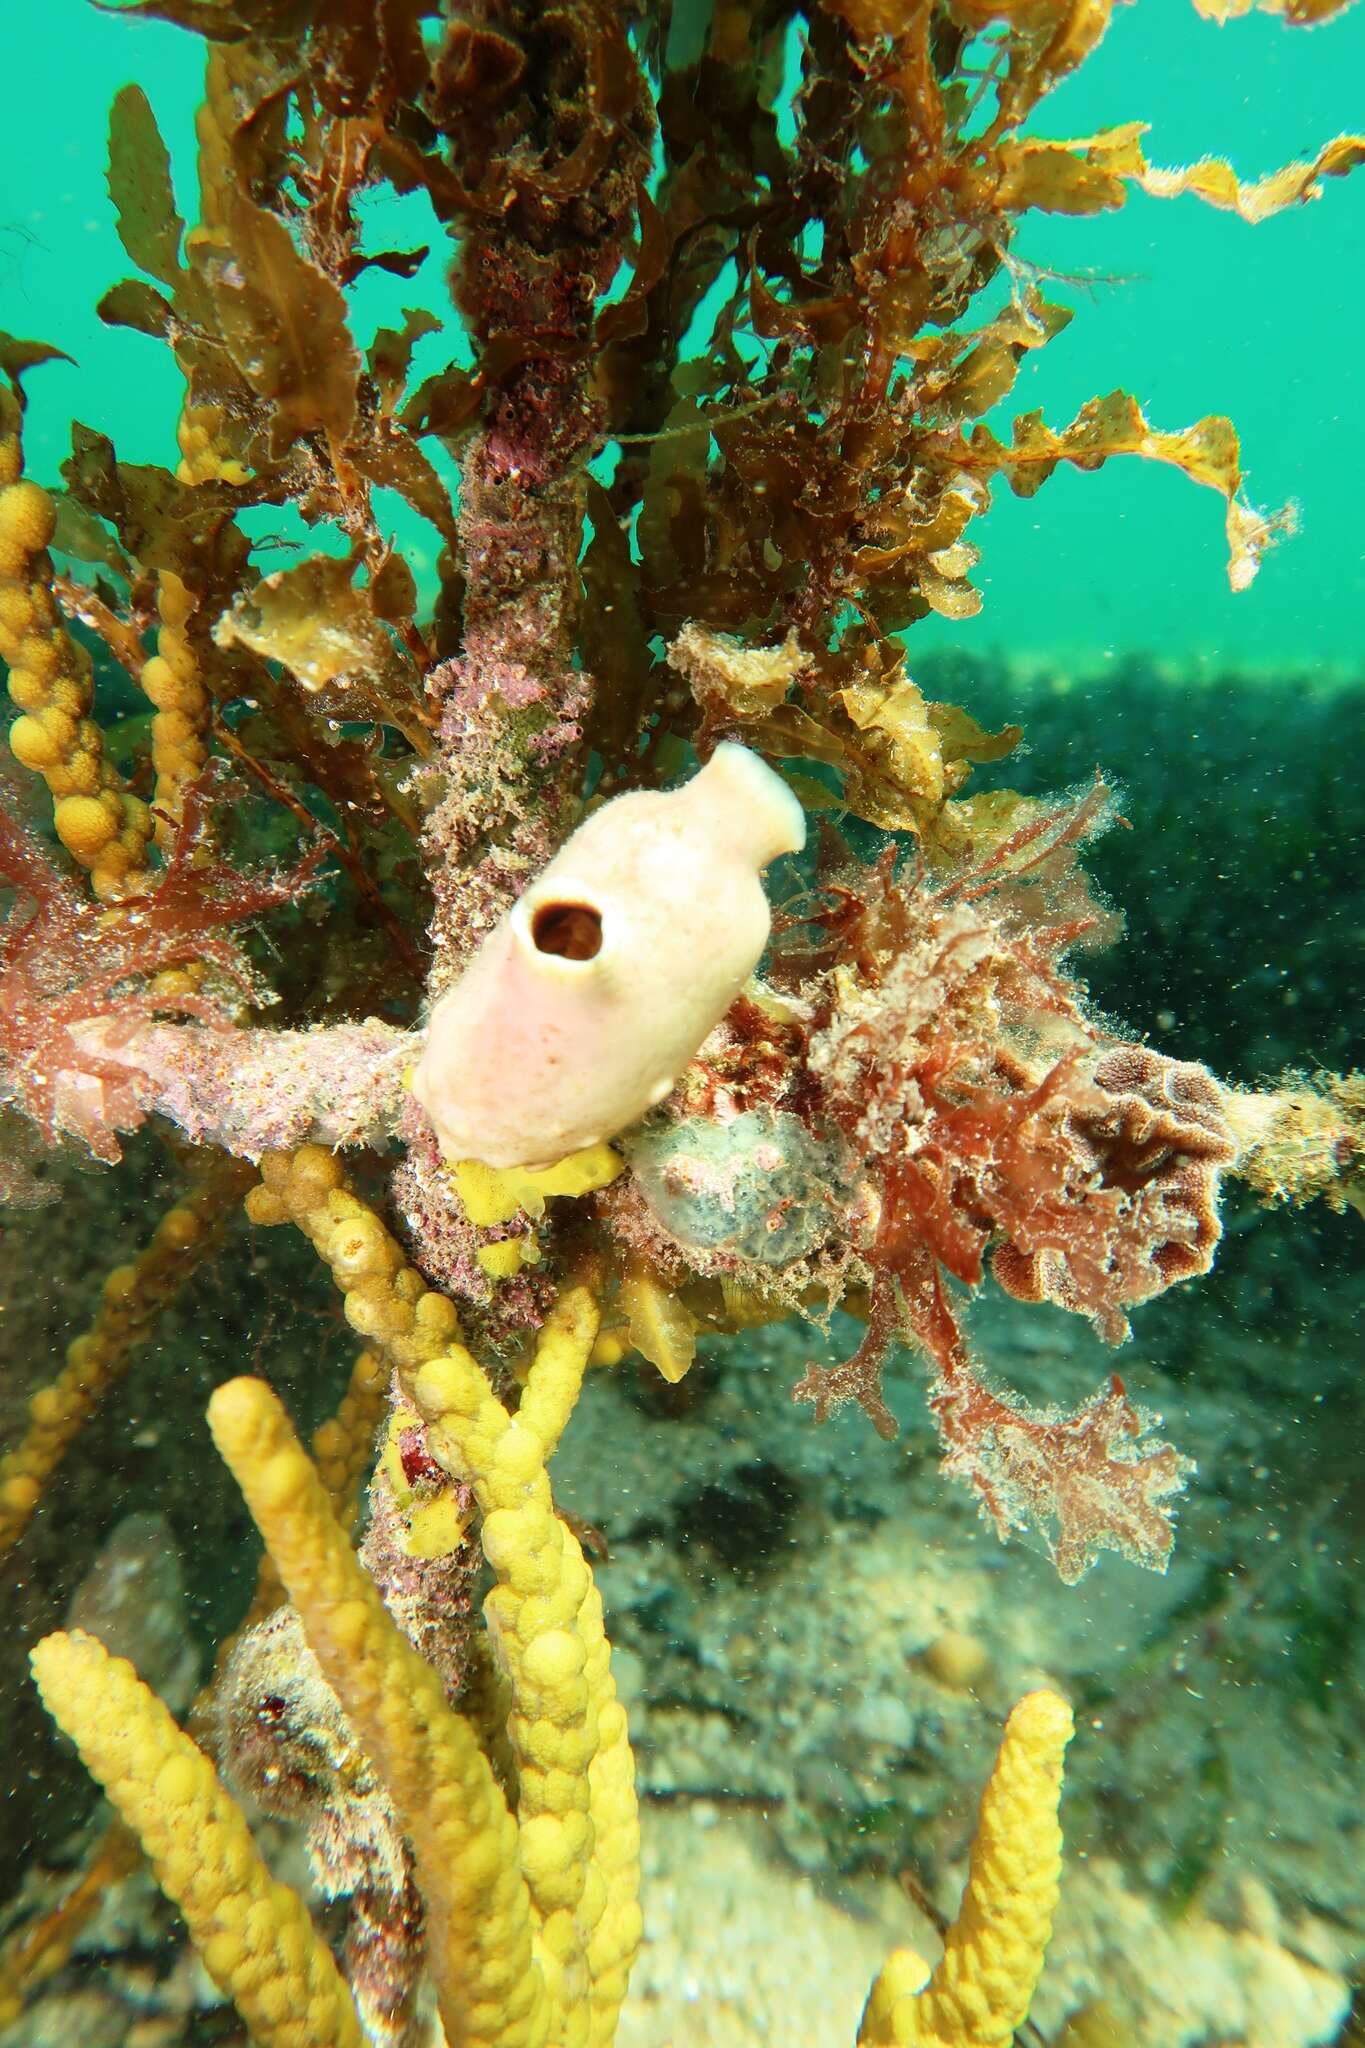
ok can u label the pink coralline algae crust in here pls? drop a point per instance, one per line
(284, 1741)
(486, 835)
(254, 1091)
(445, 1245)
(431, 1598)
(443, 1242)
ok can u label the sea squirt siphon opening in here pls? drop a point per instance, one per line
(571, 930)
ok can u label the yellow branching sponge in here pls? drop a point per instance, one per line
(490, 1988)
(385, 1299)
(577, 1814)
(342, 1447)
(532, 1917)
(254, 1934)
(180, 726)
(134, 1296)
(51, 681)
(993, 1953)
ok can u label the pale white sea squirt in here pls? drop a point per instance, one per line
(582, 1007)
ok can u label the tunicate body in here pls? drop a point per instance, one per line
(758, 1184)
(582, 1007)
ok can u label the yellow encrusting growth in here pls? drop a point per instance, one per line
(430, 1524)
(198, 433)
(491, 1195)
(489, 1986)
(661, 1327)
(51, 682)
(993, 1953)
(494, 1194)
(254, 1934)
(134, 1296)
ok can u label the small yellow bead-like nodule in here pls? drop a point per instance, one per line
(84, 827)
(160, 682)
(957, 1660)
(28, 518)
(20, 1495)
(504, 1538)
(62, 669)
(179, 1227)
(313, 1173)
(548, 1859)
(364, 1250)
(373, 1310)
(33, 745)
(437, 1319)
(554, 1659)
(177, 735)
(18, 611)
(120, 1283)
(520, 1454)
(47, 1406)
(445, 1386)
(178, 1783)
(264, 1207)
(27, 689)
(329, 1440)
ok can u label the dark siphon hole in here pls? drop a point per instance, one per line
(572, 930)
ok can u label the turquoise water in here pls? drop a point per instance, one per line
(1210, 315)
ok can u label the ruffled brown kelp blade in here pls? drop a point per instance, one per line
(316, 623)
(285, 323)
(1208, 453)
(1088, 175)
(1297, 13)
(140, 187)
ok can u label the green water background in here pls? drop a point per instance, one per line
(1206, 314)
